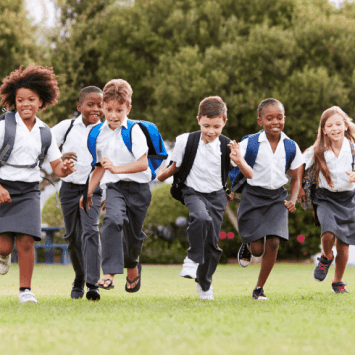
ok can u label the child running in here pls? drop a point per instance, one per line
(204, 193)
(25, 142)
(333, 158)
(126, 176)
(263, 210)
(81, 229)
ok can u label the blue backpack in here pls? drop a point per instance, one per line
(238, 179)
(9, 140)
(156, 148)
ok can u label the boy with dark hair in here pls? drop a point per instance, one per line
(204, 193)
(81, 229)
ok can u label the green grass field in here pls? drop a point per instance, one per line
(301, 316)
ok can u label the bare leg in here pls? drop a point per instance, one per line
(26, 258)
(257, 248)
(328, 240)
(6, 244)
(341, 260)
(269, 258)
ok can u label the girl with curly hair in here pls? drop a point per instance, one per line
(25, 141)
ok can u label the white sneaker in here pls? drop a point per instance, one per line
(189, 269)
(26, 296)
(5, 262)
(205, 295)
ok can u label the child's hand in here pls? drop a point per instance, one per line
(68, 167)
(302, 195)
(103, 207)
(351, 176)
(4, 195)
(230, 196)
(162, 170)
(69, 155)
(88, 202)
(290, 205)
(235, 151)
(106, 163)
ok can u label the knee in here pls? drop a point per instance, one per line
(116, 221)
(6, 245)
(273, 243)
(25, 244)
(257, 248)
(201, 219)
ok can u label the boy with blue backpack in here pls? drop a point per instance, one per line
(263, 209)
(201, 162)
(121, 148)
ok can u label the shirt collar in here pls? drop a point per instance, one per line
(214, 145)
(124, 124)
(79, 120)
(263, 138)
(38, 122)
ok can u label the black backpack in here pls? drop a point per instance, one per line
(188, 160)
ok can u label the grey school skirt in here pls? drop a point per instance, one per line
(262, 212)
(336, 213)
(23, 214)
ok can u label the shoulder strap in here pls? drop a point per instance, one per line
(225, 160)
(92, 138)
(9, 136)
(127, 134)
(46, 140)
(66, 133)
(189, 155)
(290, 149)
(252, 149)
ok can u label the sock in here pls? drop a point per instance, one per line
(25, 288)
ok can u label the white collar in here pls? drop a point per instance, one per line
(263, 138)
(214, 145)
(79, 120)
(124, 124)
(38, 122)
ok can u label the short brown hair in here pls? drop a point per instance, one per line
(36, 78)
(118, 89)
(212, 107)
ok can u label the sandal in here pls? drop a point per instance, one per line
(138, 286)
(110, 285)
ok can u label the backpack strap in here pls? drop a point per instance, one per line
(225, 160)
(66, 133)
(92, 138)
(189, 155)
(290, 149)
(46, 139)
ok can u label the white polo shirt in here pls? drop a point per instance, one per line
(269, 167)
(337, 167)
(27, 148)
(110, 144)
(205, 175)
(77, 141)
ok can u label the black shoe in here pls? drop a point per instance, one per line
(244, 256)
(258, 294)
(339, 287)
(77, 290)
(321, 270)
(93, 294)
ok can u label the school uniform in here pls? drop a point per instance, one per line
(128, 197)
(336, 205)
(81, 228)
(262, 211)
(23, 214)
(206, 200)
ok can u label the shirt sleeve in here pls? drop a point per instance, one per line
(309, 157)
(179, 149)
(53, 151)
(298, 160)
(243, 147)
(59, 130)
(139, 142)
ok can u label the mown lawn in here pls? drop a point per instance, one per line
(301, 315)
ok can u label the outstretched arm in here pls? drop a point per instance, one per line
(237, 158)
(295, 187)
(301, 193)
(140, 165)
(96, 177)
(165, 173)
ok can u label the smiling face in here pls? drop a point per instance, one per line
(272, 119)
(115, 112)
(211, 128)
(91, 108)
(27, 103)
(334, 128)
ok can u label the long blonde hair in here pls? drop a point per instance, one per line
(323, 143)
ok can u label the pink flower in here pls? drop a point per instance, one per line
(230, 235)
(222, 235)
(301, 238)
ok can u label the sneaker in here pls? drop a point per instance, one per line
(189, 269)
(321, 270)
(244, 255)
(339, 287)
(258, 294)
(26, 296)
(205, 295)
(5, 262)
(93, 294)
(77, 290)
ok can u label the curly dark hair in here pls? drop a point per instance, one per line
(36, 78)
